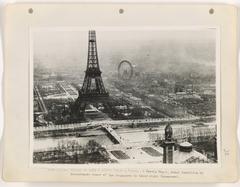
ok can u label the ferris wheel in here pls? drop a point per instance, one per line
(125, 70)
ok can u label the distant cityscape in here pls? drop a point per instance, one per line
(127, 115)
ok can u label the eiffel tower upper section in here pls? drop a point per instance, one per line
(93, 85)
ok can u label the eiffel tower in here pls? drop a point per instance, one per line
(93, 90)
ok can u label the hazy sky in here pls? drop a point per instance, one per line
(154, 49)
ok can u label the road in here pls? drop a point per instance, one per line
(40, 99)
(95, 124)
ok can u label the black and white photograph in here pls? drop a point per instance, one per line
(124, 96)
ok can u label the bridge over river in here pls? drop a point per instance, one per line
(112, 134)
